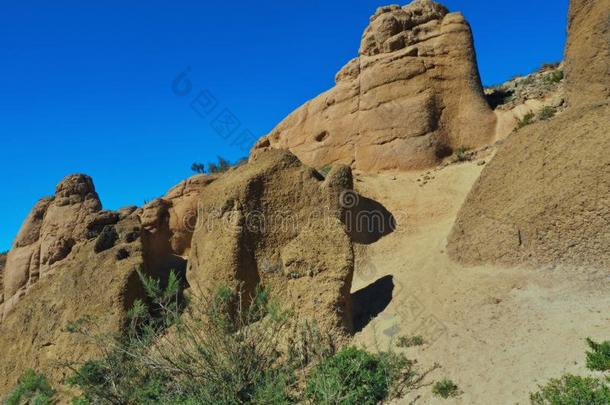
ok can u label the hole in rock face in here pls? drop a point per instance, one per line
(321, 136)
(443, 151)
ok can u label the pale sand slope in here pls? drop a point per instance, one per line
(502, 331)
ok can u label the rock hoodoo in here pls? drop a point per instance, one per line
(413, 94)
(544, 198)
(277, 222)
(67, 248)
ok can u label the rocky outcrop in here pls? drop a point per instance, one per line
(412, 95)
(67, 248)
(74, 215)
(101, 286)
(2, 265)
(277, 223)
(49, 233)
(543, 200)
(588, 52)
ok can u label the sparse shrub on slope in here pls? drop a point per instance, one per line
(445, 389)
(547, 113)
(598, 359)
(227, 349)
(355, 377)
(576, 390)
(526, 120)
(573, 390)
(32, 389)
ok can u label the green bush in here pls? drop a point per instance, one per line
(445, 388)
(554, 77)
(325, 170)
(228, 348)
(547, 113)
(461, 154)
(227, 353)
(527, 120)
(354, 376)
(598, 359)
(405, 341)
(573, 390)
(32, 389)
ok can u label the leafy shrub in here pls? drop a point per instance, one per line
(220, 166)
(527, 120)
(198, 168)
(325, 170)
(445, 388)
(573, 390)
(354, 376)
(32, 389)
(547, 113)
(554, 77)
(229, 348)
(598, 359)
(218, 356)
(461, 154)
(405, 341)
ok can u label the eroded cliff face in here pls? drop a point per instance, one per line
(543, 200)
(277, 222)
(272, 221)
(410, 98)
(71, 259)
(588, 52)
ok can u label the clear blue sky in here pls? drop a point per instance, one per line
(87, 87)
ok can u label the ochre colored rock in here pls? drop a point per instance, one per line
(277, 223)
(87, 284)
(48, 235)
(412, 95)
(588, 52)
(71, 259)
(544, 199)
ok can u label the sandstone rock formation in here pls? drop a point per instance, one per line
(72, 259)
(544, 198)
(412, 95)
(98, 285)
(278, 223)
(588, 51)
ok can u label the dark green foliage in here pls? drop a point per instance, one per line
(325, 170)
(353, 376)
(547, 113)
(445, 388)
(220, 166)
(227, 354)
(32, 389)
(461, 154)
(573, 390)
(405, 341)
(198, 168)
(554, 77)
(598, 359)
(527, 120)
(230, 349)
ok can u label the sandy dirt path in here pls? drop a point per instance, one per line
(496, 332)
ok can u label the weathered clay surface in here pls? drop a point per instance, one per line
(48, 235)
(412, 95)
(277, 223)
(588, 52)
(544, 198)
(72, 259)
(97, 285)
